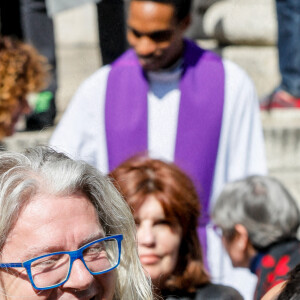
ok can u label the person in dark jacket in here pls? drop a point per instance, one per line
(165, 206)
(259, 220)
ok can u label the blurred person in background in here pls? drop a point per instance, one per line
(22, 71)
(38, 30)
(165, 207)
(32, 21)
(66, 233)
(28, 21)
(259, 220)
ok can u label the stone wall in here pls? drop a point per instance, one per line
(77, 27)
(244, 31)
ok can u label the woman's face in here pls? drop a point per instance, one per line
(239, 247)
(158, 240)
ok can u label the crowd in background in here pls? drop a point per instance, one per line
(177, 130)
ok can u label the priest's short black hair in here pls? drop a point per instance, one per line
(182, 7)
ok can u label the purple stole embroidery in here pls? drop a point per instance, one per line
(199, 123)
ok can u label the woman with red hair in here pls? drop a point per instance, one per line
(165, 206)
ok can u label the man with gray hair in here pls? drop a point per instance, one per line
(62, 227)
(259, 220)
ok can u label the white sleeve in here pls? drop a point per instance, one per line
(81, 127)
(241, 148)
(241, 153)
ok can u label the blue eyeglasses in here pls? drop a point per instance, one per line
(52, 270)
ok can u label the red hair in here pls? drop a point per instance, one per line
(140, 177)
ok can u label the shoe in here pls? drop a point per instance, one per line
(279, 99)
(43, 114)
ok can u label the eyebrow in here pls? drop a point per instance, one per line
(38, 251)
(92, 237)
(151, 33)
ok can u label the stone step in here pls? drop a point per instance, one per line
(241, 22)
(281, 131)
(21, 140)
(282, 140)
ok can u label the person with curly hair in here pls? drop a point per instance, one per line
(22, 71)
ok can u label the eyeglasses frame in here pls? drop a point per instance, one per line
(74, 255)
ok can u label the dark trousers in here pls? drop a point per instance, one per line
(10, 18)
(288, 15)
(112, 29)
(38, 31)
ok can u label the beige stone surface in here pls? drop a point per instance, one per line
(75, 64)
(77, 26)
(259, 62)
(282, 140)
(247, 22)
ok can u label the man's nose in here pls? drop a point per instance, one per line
(145, 46)
(80, 278)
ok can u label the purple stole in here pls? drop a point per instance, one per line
(199, 121)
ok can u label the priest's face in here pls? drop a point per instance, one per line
(155, 34)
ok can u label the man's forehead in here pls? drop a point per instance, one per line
(150, 13)
(43, 247)
(63, 222)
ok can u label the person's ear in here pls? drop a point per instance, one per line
(241, 237)
(185, 23)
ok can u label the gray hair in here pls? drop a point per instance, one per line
(42, 170)
(263, 205)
